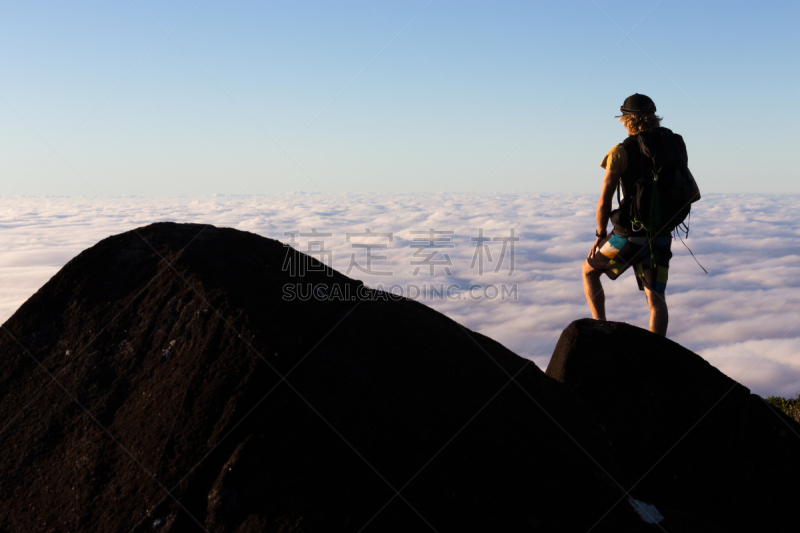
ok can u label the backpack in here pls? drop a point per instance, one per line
(661, 198)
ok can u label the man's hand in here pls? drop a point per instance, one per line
(594, 247)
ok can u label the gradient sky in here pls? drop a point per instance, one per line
(269, 97)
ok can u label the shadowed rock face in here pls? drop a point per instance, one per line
(190, 395)
(702, 449)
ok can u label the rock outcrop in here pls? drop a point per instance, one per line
(693, 442)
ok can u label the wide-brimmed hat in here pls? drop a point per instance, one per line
(637, 104)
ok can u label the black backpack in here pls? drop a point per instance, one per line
(662, 195)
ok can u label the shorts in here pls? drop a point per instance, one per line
(617, 253)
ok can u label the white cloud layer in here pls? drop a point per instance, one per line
(742, 316)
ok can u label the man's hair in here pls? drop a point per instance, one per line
(641, 122)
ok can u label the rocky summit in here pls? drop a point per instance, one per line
(183, 377)
(694, 442)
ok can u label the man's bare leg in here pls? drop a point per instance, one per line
(593, 289)
(659, 316)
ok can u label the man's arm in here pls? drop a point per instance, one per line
(610, 182)
(695, 188)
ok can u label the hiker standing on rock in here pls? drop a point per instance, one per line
(650, 167)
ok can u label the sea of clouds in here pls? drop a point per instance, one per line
(742, 316)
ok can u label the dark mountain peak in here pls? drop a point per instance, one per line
(161, 380)
(166, 380)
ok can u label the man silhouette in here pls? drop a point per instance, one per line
(626, 246)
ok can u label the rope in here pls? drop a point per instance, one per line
(678, 233)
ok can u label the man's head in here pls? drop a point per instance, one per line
(639, 114)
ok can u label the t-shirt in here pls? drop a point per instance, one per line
(616, 160)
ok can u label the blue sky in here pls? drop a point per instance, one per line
(271, 97)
